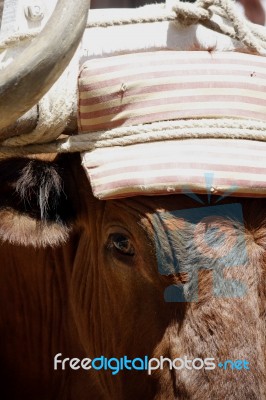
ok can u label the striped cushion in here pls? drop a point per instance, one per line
(146, 87)
(235, 167)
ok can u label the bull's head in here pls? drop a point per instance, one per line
(112, 291)
(89, 278)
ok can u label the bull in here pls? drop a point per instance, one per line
(79, 279)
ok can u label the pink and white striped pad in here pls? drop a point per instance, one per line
(146, 87)
(236, 166)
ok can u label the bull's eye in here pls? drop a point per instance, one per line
(122, 244)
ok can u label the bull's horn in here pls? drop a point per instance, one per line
(34, 71)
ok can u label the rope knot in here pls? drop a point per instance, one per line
(190, 14)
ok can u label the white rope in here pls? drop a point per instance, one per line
(54, 109)
(148, 133)
(200, 12)
(17, 38)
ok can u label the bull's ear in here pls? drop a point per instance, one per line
(34, 206)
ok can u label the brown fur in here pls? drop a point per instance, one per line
(79, 298)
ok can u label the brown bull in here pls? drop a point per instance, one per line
(99, 292)
(83, 278)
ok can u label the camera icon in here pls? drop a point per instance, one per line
(205, 238)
